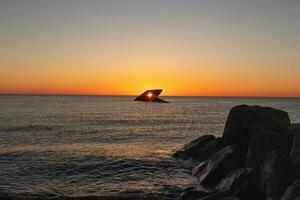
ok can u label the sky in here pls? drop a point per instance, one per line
(123, 47)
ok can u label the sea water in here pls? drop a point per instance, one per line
(106, 147)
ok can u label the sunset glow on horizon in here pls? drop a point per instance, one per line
(186, 48)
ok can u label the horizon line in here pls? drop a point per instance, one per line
(76, 94)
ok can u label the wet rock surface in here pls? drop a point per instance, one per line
(211, 171)
(200, 149)
(256, 158)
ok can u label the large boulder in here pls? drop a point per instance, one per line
(200, 148)
(242, 119)
(253, 159)
(295, 152)
(211, 171)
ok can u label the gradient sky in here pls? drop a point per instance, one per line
(119, 47)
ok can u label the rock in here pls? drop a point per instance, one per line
(274, 176)
(215, 196)
(293, 191)
(231, 198)
(151, 96)
(198, 192)
(253, 159)
(200, 148)
(242, 118)
(241, 183)
(262, 141)
(295, 152)
(217, 166)
(268, 179)
(218, 196)
(193, 194)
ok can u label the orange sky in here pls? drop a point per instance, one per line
(197, 48)
(177, 82)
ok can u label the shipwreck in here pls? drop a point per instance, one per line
(151, 96)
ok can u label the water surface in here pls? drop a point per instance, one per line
(102, 146)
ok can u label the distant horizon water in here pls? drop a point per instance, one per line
(134, 95)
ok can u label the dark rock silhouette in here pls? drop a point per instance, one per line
(295, 152)
(256, 158)
(151, 96)
(200, 149)
(240, 182)
(243, 119)
(211, 171)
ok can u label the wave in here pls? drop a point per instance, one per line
(139, 122)
(130, 195)
(52, 175)
(27, 128)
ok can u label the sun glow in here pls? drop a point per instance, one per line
(149, 95)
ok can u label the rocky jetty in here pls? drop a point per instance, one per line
(151, 96)
(257, 158)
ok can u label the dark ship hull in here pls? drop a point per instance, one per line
(151, 96)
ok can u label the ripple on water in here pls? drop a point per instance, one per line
(112, 170)
(80, 146)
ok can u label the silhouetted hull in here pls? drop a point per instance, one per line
(153, 98)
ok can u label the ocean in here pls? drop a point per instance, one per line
(107, 147)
